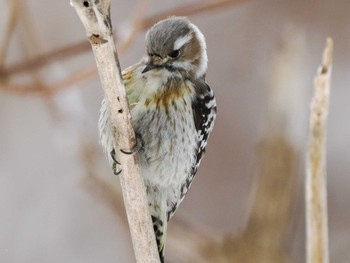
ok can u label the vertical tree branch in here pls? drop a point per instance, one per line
(95, 16)
(316, 185)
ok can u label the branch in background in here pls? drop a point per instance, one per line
(316, 179)
(95, 16)
(263, 239)
(9, 29)
(41, 61)
(140, 23)
(190, 9)
(45, 91)
(185, 241)
(105, 191)
(287, 86)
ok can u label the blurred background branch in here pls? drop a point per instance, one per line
(59, 190)
(140, 23)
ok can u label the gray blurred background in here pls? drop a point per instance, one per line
(54, 176)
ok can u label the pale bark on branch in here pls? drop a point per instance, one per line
(95, 16)
(316, 179)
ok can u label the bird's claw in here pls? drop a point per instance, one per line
(136, 148)
(113, 157)
(114, 167)
(133, 150)
(115, 163)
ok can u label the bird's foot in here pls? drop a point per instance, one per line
(116, 164)
(136, 148)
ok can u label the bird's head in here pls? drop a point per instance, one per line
(176, 45)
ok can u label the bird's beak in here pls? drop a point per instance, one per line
(150, 66)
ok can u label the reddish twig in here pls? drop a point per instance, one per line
(50, 90)
(10, 28)
(138, 25)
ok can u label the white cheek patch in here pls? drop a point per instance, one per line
(182, 41)
(204, 58)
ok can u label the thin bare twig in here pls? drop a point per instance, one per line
(186, 241)
(316, 178)
(263, 239)
(10, 28)
(51, 89)
(140, 24)
(28, 32)
(42, 60)
(95, 16)
(190, 9)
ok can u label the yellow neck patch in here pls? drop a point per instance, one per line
(172, 92)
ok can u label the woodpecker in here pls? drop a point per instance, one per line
(173, 111)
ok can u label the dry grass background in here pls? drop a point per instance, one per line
(58, 198)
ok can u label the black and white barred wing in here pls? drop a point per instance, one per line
(204, 113)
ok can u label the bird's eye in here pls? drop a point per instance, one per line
(174, 54)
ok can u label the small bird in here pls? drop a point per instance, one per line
(173, 111)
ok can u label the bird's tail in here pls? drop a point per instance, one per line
(160, 227)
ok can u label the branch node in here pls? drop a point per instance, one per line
(96, 39)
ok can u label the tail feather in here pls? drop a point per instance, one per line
(160, 227)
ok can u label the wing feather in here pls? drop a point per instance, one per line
(204, 113)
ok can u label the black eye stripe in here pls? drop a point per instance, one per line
(154, 55)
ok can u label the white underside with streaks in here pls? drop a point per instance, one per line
(169, 142)
(168, 152)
